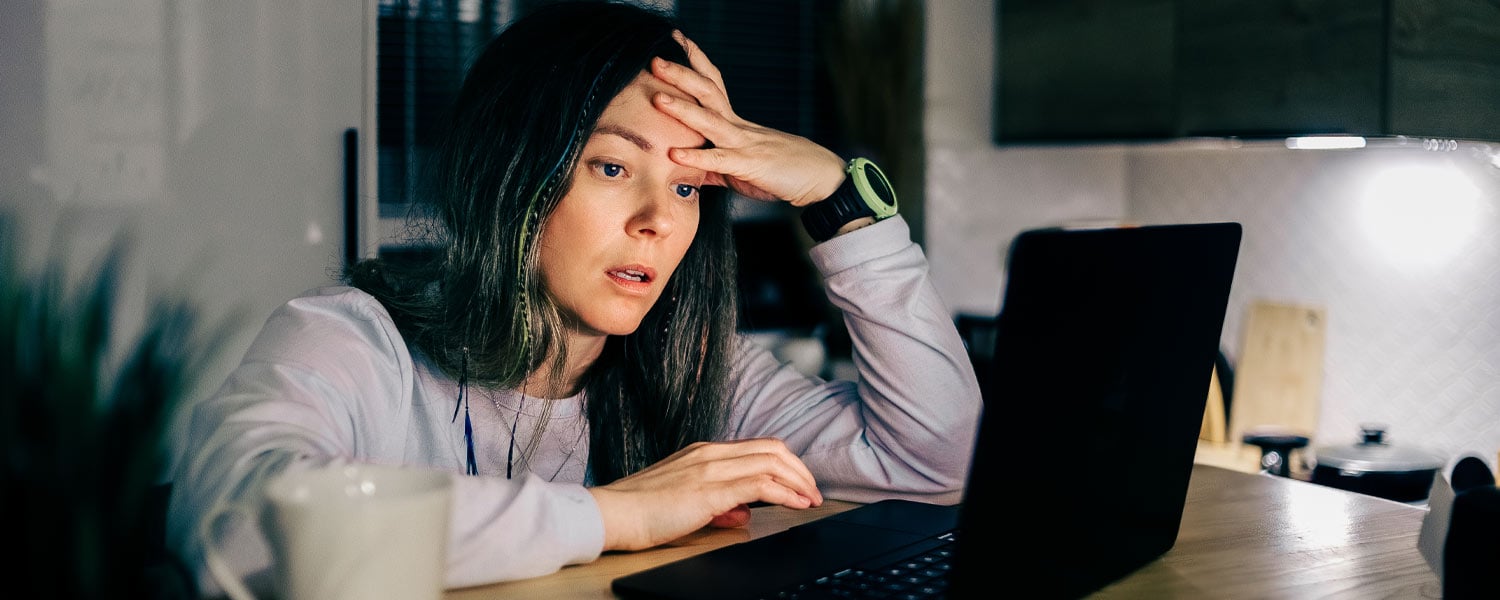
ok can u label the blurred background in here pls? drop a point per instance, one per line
(249, 148)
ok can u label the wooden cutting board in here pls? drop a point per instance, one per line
(1278, 377)
(1213, 412)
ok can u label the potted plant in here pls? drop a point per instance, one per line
(83, 425)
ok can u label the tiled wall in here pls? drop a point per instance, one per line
(1399, 246)
(1413, 335)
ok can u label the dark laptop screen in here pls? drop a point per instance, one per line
(1105, 345)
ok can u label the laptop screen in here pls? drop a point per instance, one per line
(1104, 349)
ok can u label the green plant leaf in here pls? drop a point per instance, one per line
(84, 439)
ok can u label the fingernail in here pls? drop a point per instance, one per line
(664, 98)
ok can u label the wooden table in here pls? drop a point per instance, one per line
(1243, 536)
(1257, 536)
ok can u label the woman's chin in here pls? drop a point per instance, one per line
(609, 327)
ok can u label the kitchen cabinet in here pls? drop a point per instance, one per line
(1151, 69)
(1084, 69)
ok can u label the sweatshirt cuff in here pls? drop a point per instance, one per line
(883, 238)
(579, 522)
(506, 530)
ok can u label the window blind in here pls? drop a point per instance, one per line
(423, 49)
(768, 51)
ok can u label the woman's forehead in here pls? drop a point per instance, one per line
(632, 109)
(645, 85)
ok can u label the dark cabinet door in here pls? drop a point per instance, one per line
(1280, 67)
(1084, 70)
(1445, 68)
(1106, 70)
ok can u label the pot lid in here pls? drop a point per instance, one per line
(1373, 453)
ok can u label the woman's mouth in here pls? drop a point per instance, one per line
(631, 275)
(636, 278)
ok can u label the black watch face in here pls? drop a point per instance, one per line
(878, 184)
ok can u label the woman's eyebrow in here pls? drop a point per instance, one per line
(635, 138)
(630, 136)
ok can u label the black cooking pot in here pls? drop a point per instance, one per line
(1376, 467)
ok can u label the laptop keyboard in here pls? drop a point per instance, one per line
(920, 572)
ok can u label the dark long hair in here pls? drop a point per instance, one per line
(478, 308)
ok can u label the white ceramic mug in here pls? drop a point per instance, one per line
(347, 531)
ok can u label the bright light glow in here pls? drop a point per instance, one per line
(314, 233)
(1325, 142)
(1420, 215)
(1317, 521)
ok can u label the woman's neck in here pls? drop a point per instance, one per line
(583, 350)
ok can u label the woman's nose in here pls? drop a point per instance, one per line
(655, 215)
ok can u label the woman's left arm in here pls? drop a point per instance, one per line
(907, 426)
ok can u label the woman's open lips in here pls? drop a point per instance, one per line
(632, 277)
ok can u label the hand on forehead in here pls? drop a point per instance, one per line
(633, 111)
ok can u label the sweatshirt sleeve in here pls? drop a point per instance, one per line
(328, 380)
(906, 428)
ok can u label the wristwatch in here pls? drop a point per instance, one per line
(865, 193)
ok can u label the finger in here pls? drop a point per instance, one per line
(712, 124)
(786, 459)
(713, 160)
(699, 61)
(738, 516)
(766, 489)
(778, 448)
(695, 84)
(773, 470)
(748, 458)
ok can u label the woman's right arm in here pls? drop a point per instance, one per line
(328, 380)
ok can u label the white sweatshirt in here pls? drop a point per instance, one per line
(329, 379)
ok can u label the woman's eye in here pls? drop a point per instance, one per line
(686, 191)
(611, 169)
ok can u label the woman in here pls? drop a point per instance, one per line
(570, 354)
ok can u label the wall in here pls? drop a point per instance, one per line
(979, 196)
(234, 109)
(207, 131)
(1396, 243)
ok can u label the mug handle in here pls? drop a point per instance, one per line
(230, 581)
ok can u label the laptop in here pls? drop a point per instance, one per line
(1103, 353)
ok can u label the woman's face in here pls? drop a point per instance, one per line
(614, 240)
